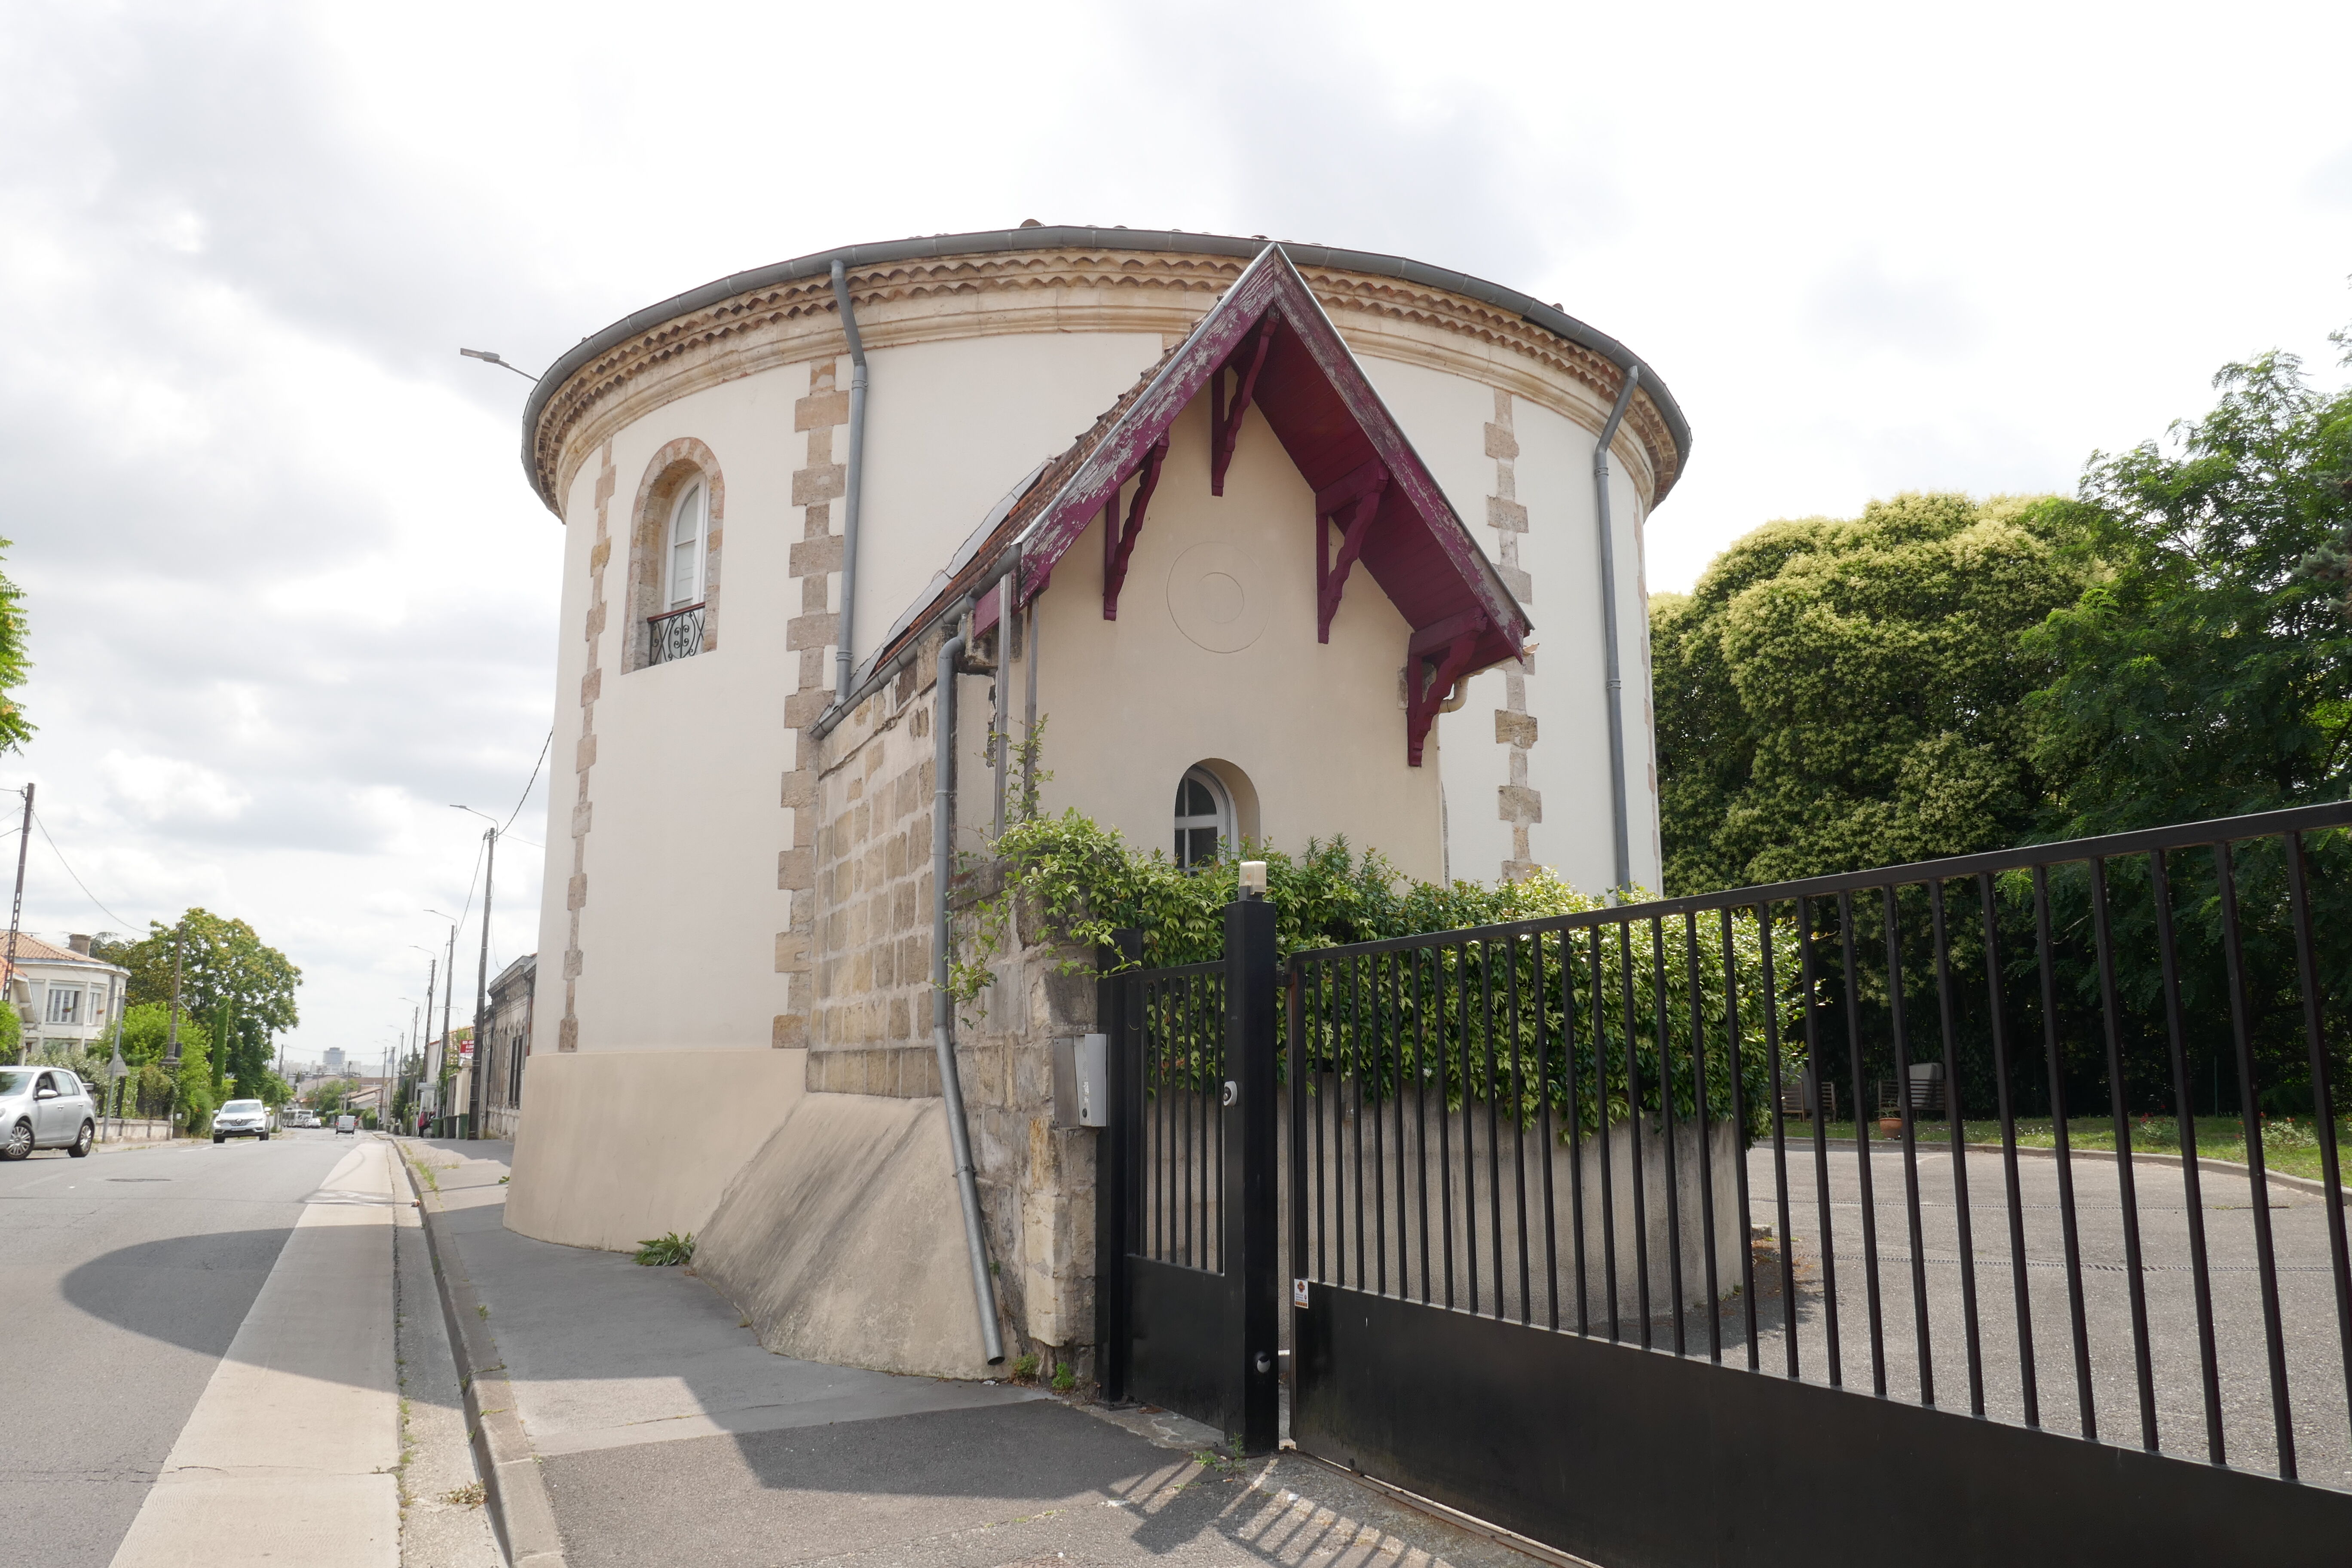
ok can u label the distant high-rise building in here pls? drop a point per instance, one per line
(334, 1060)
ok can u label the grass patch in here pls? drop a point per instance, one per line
(467, 1496)
(666, 1250)
(2290, 1144)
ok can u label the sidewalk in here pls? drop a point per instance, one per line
(665, 1433)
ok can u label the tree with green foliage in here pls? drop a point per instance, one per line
(14, 728)
(2207, 669)
(146, 1035)
(1845, 693)
(241, 988)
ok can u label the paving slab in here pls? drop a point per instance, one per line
(664, 1432)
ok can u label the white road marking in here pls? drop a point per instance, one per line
(288, 1454)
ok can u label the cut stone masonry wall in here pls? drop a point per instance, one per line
(1518, 802)
(592, 685)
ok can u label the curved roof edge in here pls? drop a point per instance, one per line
(985, 242)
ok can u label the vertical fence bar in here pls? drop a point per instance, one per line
(2257, 1174)
(1836, 1351)
(2120, 1117)
(1519, 1127)
(1380, 1136)
(1494, 1123)
(1420, 1121)
(1394, 993)
(1667, 1127)
(1910, 1143)
(1444, 1125)
(1469, 1125)
(1705, 1154)
(2008, 1112)
(1601, 1109)
(1862, 1149)
(2322, 1099)
(1739, 1141)
(2185, 1111)
(1295, 1027)
(1356, 1081)
(1545, 1140)
(1574, 1076)
(1954, 1120)
(1323, 1111)
(1772, 1010)
(2085, 1397)
(1633, 1134)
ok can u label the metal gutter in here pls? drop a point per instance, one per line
(998, 241)
(975, 1237)
(853, 486)
(1612, 663)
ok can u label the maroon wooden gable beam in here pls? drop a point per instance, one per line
(1360, 493)
(1225, 424)
(1269, 286)
(1446, 649)
(1118, 543)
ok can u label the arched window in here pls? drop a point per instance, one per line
(1204, 817)
(685, 535)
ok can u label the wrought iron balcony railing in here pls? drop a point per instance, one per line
(674, 635)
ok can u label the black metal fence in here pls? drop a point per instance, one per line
(1179, 1054)
(2101, 1196)
(674, 635)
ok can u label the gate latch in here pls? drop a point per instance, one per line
(1233, 1091)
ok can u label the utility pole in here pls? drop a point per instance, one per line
(478, 1094)
(16, 909)
(439, 1110)
(172, 1045)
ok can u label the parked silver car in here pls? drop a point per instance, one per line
(45, 1108)
(241, 1118)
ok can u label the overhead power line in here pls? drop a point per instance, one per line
(78, 882)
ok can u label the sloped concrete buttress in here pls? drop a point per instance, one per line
(842, 1240)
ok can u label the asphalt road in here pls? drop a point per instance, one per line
(123, 1279)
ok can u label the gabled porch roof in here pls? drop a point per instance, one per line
(1266, 343)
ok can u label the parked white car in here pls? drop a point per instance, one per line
(241, 1118)
(45, 1108)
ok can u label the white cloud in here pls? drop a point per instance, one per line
(289, 594)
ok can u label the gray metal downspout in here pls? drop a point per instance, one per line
(1613, 665)
(975, 1239)
(843, 656)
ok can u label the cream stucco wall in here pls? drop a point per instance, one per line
(1317, 730)
(676, 931)
(950, 426)
(692, 955)
(1447, 415)
(623, 1145)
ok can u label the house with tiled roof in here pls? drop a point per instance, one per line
(62, 995)
(1261, 535)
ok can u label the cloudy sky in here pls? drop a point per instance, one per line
(291, 596)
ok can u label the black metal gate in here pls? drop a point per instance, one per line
(1187, 1189)
(1575, 1255)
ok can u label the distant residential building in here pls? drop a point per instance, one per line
(509, 1046)
(62, 995)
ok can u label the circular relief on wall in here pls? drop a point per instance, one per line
(1213, 592)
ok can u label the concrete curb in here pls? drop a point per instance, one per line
(2139, 1157)
(514, 1490)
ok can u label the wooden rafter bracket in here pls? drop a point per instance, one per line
(1225, 424)
(1358, 495)
(1444, 651)
(1118, 543)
